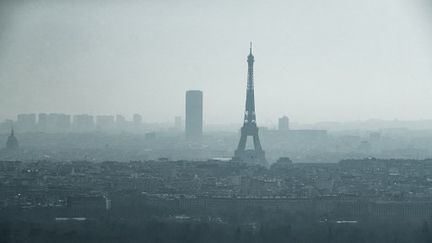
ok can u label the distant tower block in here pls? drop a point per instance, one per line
(256, 155)
(283, 123)
(83, 123)
(43, 122)
(12, 142)
(194, 114)
(120, 120)
(137, 122)
(137, 119)
(26, 122)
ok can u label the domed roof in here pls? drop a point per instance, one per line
(12, 141)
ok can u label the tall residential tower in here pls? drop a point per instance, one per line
(194, 114)
(283, 124)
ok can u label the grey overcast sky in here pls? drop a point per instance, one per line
(316, 60)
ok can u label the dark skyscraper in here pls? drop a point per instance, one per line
(194, 114)
(250, 128)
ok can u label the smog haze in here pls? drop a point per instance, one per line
(315, 61)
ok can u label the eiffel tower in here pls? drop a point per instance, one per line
(250, 128)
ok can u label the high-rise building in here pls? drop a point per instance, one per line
(120, 122)
(83, 123)
(26, 122)
(105, 122)
(51, 123)
(43, 122)
(283, 124)
(194, 114)
(63, 122)
(6, 125)
(137, 123)
(54, 122)
(250, 128)
(137, 120)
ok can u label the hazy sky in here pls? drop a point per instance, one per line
(316, 60)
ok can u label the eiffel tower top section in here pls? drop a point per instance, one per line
(250, 96)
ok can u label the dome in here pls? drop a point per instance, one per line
(12, 142)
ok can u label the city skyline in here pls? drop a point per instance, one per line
(151, 121)
(274, 124)
(338, 69)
